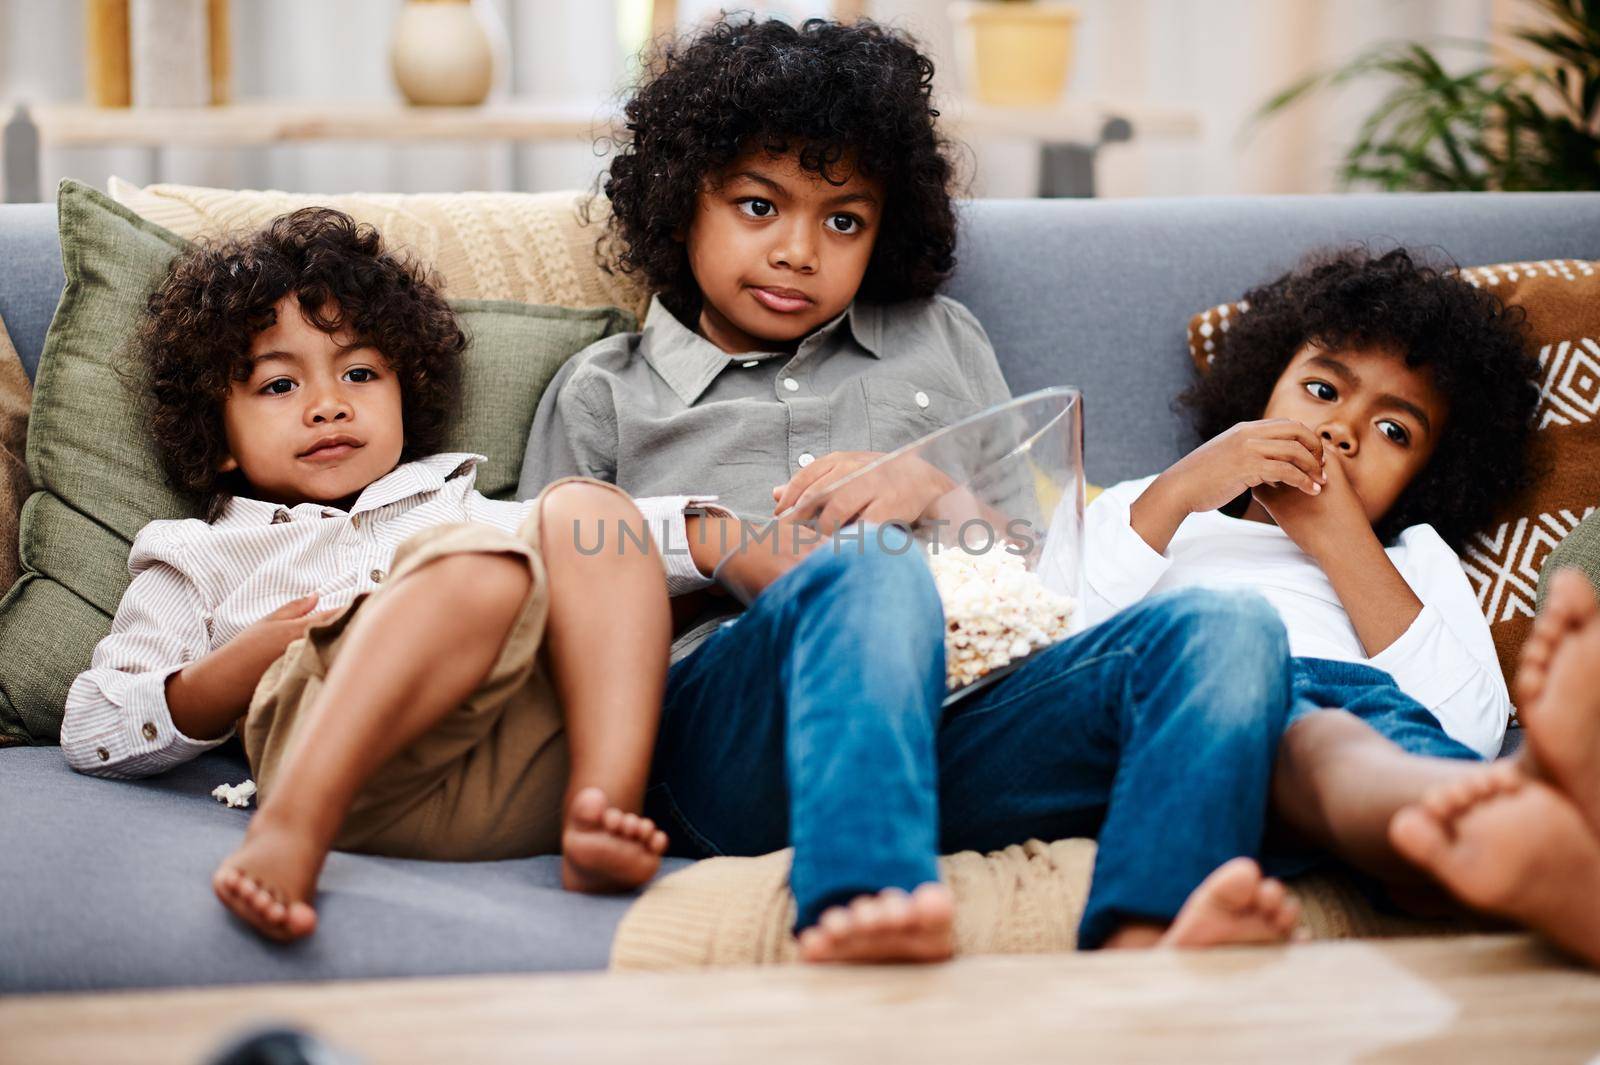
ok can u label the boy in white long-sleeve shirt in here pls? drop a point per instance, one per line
(1361, 417)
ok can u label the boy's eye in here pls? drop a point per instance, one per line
(755, 207)
(844, 223)
(1322, 390)
(1395, 431)
(361, 374)
(278, 386)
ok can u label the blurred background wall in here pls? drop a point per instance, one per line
(1216, 59)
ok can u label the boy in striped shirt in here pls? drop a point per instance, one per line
(415, 669)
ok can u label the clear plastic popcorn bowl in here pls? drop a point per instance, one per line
(994, 501)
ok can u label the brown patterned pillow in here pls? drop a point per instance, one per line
(16, 395)
(1561, 298)
(523, 247)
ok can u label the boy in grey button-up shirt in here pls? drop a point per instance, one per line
(785, 193)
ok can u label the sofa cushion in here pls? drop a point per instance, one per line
(527, 247)
(98, 478)
(107, 884)
(1561, 298)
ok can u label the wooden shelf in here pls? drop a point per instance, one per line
(254, 124)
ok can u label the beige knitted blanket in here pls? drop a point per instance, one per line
(1025, 899)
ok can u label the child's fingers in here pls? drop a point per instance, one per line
(295, 608)
(1286, 473)
(804, 479)
(1286, 429)
(1295, 453)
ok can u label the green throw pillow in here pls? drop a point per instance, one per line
(97, 477)
(1580, 549)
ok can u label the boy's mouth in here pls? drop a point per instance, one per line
(782, 300)
(330, 447)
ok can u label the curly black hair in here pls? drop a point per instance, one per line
(1474, 347)
(195, 338)
(856, 94)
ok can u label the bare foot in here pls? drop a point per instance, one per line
(1558, 691)
(269, 881)
(1513, 848)
(606, 850)
(890, 926)
(1234, 905)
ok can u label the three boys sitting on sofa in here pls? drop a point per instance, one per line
(421, 671)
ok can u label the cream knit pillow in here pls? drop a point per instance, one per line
(524, 247)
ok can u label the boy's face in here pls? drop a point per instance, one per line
(318, 419)
(1376, 416)
(777, 251)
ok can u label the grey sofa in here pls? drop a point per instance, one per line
(106, 884)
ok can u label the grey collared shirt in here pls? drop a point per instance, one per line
(666, 411)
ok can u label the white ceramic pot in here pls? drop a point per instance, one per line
(442, 53)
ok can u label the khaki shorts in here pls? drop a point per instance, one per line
(487, 781)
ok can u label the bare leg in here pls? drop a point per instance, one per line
(1337, 785)
(395, 678)
(609, 634)
(890, 926)
(1233, 906)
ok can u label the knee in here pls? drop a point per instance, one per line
(1233, 625)
(1234, 638)
(882, 562)
(583, 512)
(477, 585)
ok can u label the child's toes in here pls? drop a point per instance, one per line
(1288, 916)
(866, 913)
(1270, 896)
(658, 842)
(612, 820)
(895, 909)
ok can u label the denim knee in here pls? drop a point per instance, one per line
(882, 560)
(1235, 638)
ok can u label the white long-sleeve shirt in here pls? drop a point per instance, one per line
(1445, 660)
(196, 585)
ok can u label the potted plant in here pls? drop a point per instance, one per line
(1511, 125)
(1017, 53)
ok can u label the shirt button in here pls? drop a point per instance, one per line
(806, 459)
(149, 730)
(355, 520)
(751, 363)
(922, 399)
(105, 755)
(791, 384)
(377, 576)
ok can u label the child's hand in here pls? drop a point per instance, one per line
(207, 696)
(1326, 522)
(1251, 454)
(901, 491)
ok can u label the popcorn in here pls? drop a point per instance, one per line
(996, 611)
(234, 794)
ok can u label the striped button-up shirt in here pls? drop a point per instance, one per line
(196, 585)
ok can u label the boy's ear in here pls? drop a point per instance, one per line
(228, 464)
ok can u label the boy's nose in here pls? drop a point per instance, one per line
(1338, 435)
(795, 252)
(329, 407)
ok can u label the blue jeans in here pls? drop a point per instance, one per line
(1374, 697)
(815, 720)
